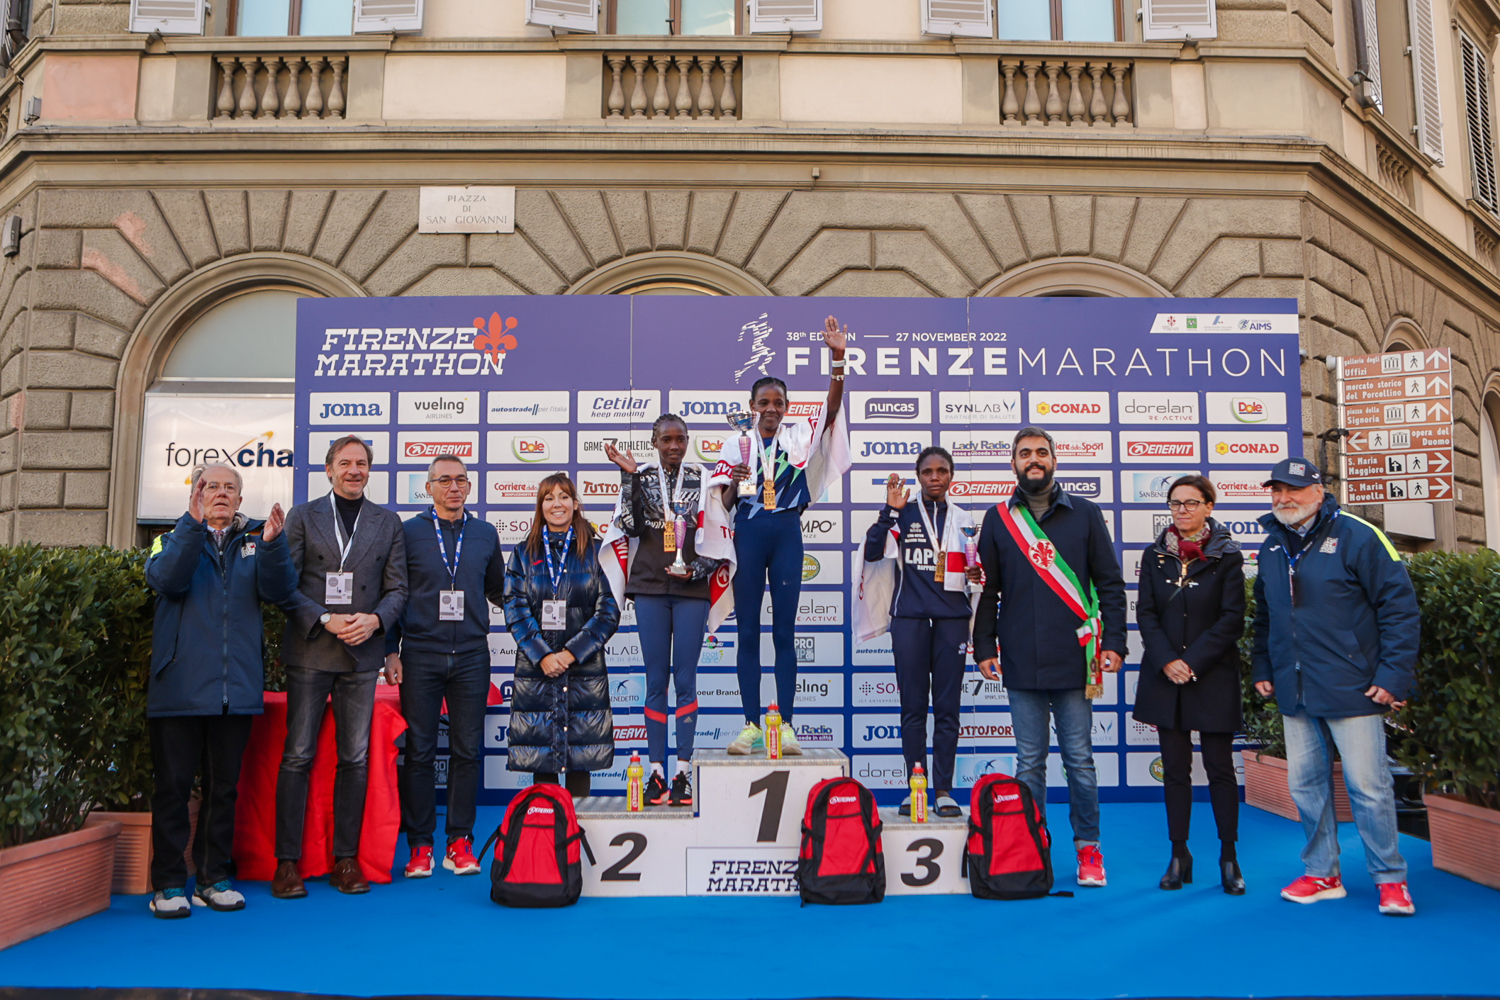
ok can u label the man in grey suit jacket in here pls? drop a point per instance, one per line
(350, 558)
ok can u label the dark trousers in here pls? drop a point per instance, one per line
(769, 549)
(671, 633)
(180, 746)
(1177, 781)
(929, 655)
(426, 679)
(307, 693)
(578, 783)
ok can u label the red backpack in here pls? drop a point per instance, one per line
(1009, 854)
(537, 845)
(840, 861)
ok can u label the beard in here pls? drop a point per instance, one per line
(1296, 513)
(1035, 487)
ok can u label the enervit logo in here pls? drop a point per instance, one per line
(979, 407)
(420, 448)
(1158, 407)
(1260, 447)
(1246, 408)
(542, 407)
(890, 407)
(708, 407)
(438, 407)
(841, 799)
(602, 406)
(630, 734)
(1155, 446)
(1068, 407)
(877, 446)
(358, 408)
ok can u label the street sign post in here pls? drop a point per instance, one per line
(1398, 409)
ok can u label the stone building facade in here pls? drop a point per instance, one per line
(157, 175)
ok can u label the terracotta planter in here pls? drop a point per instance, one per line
(1266, 787)
(55, 881)
(133, 850)
(1465, 838)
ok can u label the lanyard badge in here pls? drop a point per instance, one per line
(555, 610)
(451, 601)
(338, 588)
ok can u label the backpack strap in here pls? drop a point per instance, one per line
(583, 841)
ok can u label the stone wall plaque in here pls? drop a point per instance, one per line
(467, 210)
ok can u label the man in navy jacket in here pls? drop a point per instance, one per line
(210, 572)
(440, 649)
(1336, 635)
(1027, 631)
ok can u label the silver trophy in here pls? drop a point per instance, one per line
(679, 565)
(742, 421)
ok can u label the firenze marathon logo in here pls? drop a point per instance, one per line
(479, 349)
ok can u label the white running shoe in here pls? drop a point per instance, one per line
(748, 741)
(221, 896)
(170, 904)
(789, 745)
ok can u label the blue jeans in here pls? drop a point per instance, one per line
(1372, 791)
(671, 633)
(1074, 716)
(428, 678)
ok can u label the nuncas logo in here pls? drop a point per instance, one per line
(479, 349)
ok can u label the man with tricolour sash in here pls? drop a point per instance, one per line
(1051, 621)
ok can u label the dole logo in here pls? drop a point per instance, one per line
(529, 449)
(1248, 409)
(495, 340)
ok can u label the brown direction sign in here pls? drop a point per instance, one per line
(1398, 408)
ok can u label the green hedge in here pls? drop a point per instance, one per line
(75, 653)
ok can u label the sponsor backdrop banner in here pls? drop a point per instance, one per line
(1136, 392)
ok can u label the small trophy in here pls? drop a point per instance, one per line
(971, 545)
(679, 566)
(742, 421)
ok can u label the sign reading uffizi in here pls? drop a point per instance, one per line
(466, 210)
(1398, 409)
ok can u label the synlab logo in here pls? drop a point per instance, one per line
(495, 339)
(892, 408)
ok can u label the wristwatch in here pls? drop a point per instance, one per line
(326, 617)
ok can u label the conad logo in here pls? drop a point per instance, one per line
(1060, 408)
(1247, 448)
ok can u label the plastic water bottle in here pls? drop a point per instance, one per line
(773, 732)
(635, 788)
(918, 794)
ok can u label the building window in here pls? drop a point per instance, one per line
(1058, 20)
(1489, 460)
(1477, 115)
(674, 17)
(279, 18)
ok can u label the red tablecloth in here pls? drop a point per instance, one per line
(255, 816)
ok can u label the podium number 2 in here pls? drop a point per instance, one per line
(616, 872)
(930, 871)
(774, 785)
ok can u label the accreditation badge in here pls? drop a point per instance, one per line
(554, 614)
(450, 605)
(338, 588)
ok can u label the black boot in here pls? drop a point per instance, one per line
(1233, 883)
(1179, 872)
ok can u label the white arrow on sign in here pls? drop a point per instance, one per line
(1443, 459)
(1439, 410)
(1438, 383)
(1442, 487)
(1436, 357)
(1356, 441)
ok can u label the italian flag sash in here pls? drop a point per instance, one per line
(1043, 557)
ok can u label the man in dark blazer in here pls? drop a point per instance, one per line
(1028, 625)
(350, 557)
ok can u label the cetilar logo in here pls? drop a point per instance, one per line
(497, 341)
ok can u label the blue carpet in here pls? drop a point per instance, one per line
(1126, 940)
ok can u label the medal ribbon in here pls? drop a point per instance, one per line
(458, 549)
(932, 535)
(556, 576)
(670, 500)
(768, 466)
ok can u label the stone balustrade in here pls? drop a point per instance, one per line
(678, 87)
(1074, 93)
(279, 87)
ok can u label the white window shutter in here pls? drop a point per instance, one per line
(1372, 55)
(387, 15)
(170, 17)
(575, 15)
(776, 16)
(1425, 79)
(970, 18)
(1175, 20)
(1477, 110)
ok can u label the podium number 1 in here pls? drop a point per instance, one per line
(774, 785)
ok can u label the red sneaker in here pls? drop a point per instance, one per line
(1090, 867)
(460, 858)
(420, 865)
(1395, 900)
(1310, 890)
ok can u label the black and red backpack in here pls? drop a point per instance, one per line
(840, 861)
(1009, 853)
(537, 845)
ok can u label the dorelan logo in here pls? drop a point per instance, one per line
(1160, 449)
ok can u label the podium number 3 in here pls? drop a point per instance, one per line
(927, 862)
(774, 785)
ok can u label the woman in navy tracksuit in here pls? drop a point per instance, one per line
(929, 624)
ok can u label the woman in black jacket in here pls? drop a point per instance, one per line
(561, 612)
(1191, 613)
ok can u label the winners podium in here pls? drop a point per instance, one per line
(742, 835)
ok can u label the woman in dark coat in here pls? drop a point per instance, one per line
(561, 612)
(1191, 613)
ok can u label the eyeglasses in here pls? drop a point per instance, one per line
(229, 487)
(447, 481)
(1187, 505)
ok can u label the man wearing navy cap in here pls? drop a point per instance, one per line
(1336, 633)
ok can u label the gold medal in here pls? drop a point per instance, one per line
(768, 495)
(669, 536)
(938, 570)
